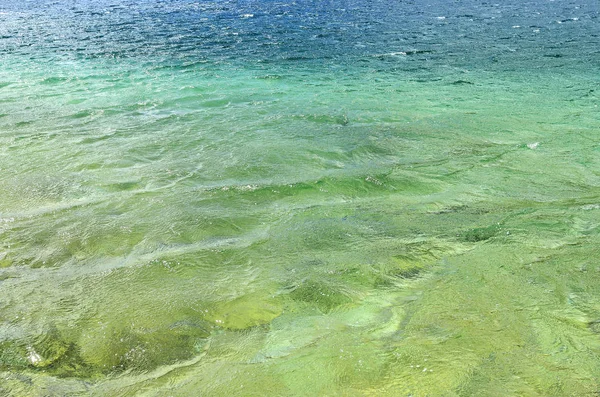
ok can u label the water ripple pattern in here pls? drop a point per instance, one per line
(299, 198)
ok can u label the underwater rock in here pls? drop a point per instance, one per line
(4, 260)
(244, 312)
(51, 352)
(412, 259)
(594, 326)
(406, 268)
(12, 355)
(141, 349)
(398, 268)
(481, 233)
(320, 294)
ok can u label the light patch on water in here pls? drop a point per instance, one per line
(33, 357)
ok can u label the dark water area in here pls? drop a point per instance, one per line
(501, 36)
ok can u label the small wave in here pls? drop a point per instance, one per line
(462, 82)
(299, 58)
(402, 53)
(589, 207)
(391, 54)
(270, 77)
(54, 80)
(324, 118)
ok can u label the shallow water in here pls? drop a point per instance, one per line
(307, 198)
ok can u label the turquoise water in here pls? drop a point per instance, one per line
(308, 198)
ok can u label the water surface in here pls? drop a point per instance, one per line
(299, 198)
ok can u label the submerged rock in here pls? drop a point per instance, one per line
(324, 296)
(481, 233)
(51, 352)
(244, 312)
(142, 349)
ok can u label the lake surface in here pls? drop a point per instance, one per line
(303, 198)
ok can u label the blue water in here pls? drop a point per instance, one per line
(492, 36)
(299, 198)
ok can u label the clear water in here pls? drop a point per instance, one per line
(299, 198)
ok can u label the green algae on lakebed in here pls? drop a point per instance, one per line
(461, 269)
(196, 215)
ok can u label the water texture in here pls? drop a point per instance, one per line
(357, 198)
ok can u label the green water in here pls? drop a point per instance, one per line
(175, 229)
(424, 238)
